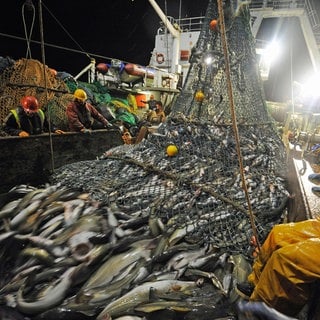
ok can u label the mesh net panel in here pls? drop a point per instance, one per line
(57, 107)
(26, 77)
(198, 193)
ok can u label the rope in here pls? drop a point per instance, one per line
(65, 30)
(234, 117)
(179, 180)
(63, 48)
(28, 5)
(45, 81)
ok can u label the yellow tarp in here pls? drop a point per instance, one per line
(287, 266)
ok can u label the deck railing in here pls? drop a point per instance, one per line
(185, 24)
(277, 4)
(195, 23)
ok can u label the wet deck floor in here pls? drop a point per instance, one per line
(311, 201)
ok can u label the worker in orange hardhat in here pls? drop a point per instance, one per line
(286, 269)
(83, 116)
(28, 119)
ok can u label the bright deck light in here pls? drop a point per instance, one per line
(311, 87)
(268, 55)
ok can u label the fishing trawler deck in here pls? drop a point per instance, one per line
(310, 201)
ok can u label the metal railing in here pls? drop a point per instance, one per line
(195, 23)
(292, 4)
(314, 21)
(277, 4)
(186, 24)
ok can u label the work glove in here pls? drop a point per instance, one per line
(85, 130)
(114, 127)
(23, 134)
(109, 125)
(59, 131)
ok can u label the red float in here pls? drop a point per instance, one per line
(213, 24)
(102, 67)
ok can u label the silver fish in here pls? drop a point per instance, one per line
(52, 298)
(9, 208)
(140, 294)
(22, 215)
(117, 263)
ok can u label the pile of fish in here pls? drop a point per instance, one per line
(138, 234)
(67, 256)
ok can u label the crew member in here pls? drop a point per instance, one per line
(151, 102)
(157, 115)
(287, 267)
(83, 116)
(27, 119)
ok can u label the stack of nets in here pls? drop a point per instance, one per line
(30, 77)
(200, 191)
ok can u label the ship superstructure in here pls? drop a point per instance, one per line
(188, 29)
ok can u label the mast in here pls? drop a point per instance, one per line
(175, 34)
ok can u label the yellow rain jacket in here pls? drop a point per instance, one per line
(287, 266)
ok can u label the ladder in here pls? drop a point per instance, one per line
(303, 9)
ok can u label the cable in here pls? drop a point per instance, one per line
(28, 5)
(65, 30)
(45, 81)
(291, 74)
(61, 47)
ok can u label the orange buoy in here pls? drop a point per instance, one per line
(172, 150)
(199, 96)
(53, 72)
(213, 24)
(102, 68)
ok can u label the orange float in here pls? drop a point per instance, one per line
(172, 150)
(139, 71)
(199, 96)
(53, 72)
(102, 68)
(213, 24)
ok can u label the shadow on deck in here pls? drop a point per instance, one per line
(32, 159)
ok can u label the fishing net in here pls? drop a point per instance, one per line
(57, 107)
(27, 77)
(228, 175)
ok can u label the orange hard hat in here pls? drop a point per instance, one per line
(30, 103)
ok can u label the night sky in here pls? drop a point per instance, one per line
(125, 29)
(122, 29)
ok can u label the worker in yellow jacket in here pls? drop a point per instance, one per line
(28, 119)
(287, 267)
